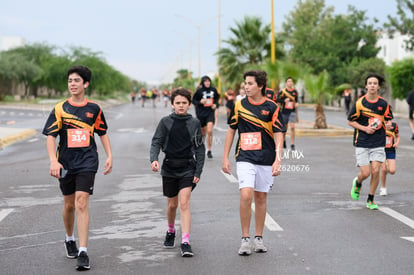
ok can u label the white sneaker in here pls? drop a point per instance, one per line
(383, 191)
(259, 246)
(245, 248)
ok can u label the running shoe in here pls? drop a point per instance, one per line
(71, 249)
(169, 240)
(83, 262)
(355, 190)
(383, 191)
(186, 250)
(259, 246)
(372, 205)
(209, 155)
(292, 147)
(245, 248)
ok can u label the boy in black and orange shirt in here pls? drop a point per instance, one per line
(288, 100)
(75, 121)
(368, 117)
(258, 154)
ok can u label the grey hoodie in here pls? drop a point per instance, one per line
(160, 141)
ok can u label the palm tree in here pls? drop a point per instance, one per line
(248, 48)
(318, 88)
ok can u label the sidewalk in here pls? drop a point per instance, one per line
(9, 136)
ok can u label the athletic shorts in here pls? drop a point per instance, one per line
(171, 186)
(289, 118)
(390, 153)
(364, 156)
(207, 119)
(410, 114)
(258, 177)
(77, 182)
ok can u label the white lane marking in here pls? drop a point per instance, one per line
(33, 140)
(4, 213)
(270, 223)
(411, 239)
(220, 129)
(397, 216)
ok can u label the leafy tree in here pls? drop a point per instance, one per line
(404, 23)
(327, 42)
(318, 87)
(401, 77)
(184, 79)
(249, 47)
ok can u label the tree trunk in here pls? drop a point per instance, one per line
(320, 119)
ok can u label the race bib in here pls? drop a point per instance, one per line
(251, 141)
(289, 105)
(209, 102)
(78, 138)
(375, 123)
(388, 142)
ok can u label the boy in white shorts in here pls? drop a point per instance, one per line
(258, 155)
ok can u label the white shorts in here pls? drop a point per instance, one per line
(258, 177)
(364, 156)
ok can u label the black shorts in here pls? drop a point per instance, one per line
(410, 114)
(206, 119)
(77, 182)
(171, 186)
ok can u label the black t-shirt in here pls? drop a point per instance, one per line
(256, 125)
(372, 113)
(76, 125)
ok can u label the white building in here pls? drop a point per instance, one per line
(10, 42)
(392, 49)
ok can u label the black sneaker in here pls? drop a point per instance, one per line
(169, 240)
(209, 155)
(83, 262)
(71, 249)
(284, 144)
(412, 137)
(292, 147)
(186, 250)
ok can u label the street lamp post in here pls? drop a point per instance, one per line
(272, 43)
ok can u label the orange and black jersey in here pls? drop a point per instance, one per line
(287, 107)
(270, 94)
(391, 135)
(76, 125)
(256, 125)
(370, 113)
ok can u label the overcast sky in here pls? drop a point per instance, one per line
(149, 40)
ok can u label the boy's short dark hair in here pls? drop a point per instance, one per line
(82, 71)
(260, 77)
(380, 78)
(289, 77)
(182, 92)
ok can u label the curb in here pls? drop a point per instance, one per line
(6, 141)
(305, 129)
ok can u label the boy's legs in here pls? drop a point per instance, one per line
(292, 133)
(82, 212)
(172, 204)
(375, 168)
(68, 213)
(209, 135)
(185, 213)
(383, 174)
(260, 199)
(392, 166)
(246, 198)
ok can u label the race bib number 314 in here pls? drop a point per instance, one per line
(78, 138)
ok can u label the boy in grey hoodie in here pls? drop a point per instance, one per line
(179, 136)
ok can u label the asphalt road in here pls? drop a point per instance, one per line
(313, 226)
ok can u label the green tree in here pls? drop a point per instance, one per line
(184, 79)
(401, 77)
(326, 42)
(249, 47)
(404, 23)
(318, 87)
